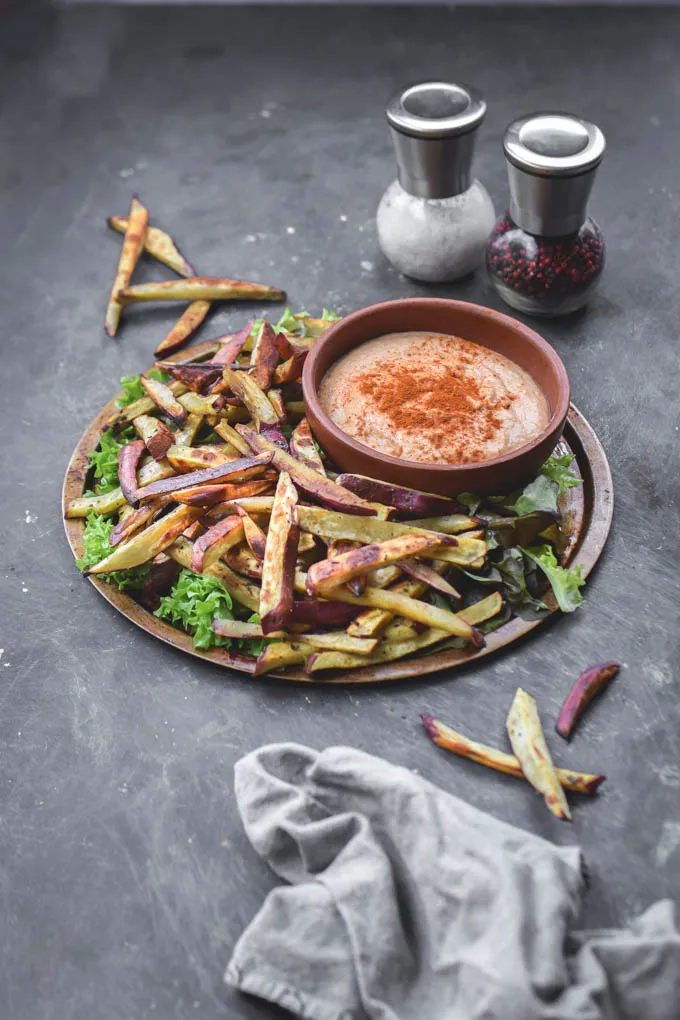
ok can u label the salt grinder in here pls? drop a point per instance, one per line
(545, 255)
(434, 220)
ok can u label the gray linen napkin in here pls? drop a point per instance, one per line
(406, 903)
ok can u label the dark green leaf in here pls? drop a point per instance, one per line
(565, 583)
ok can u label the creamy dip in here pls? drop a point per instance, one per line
(433, 398)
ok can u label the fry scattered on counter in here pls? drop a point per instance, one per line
(184, 328)
(587, 687)
(133, 245)
(158, 244)
(443, 736)
(528, 742)
(209, 288)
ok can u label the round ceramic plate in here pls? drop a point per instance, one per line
(586, 516)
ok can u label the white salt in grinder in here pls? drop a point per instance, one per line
(434, 220)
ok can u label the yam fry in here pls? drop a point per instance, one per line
(278, 568)
(528, 742)
(443, 736)
(238, 629)
(146, 544)
(589, 685)
(111, 501)
(325, 576)
(193, 458)
(295, 407)
(264, 355)
(209, 288)
(423, 572)
(245, 387)
(133, 244)
(402, 630)
(196, 376)
(145, 405)
(387, 651)
(280, 654)
(290, 370)
(340, 641)
(164, 399)
(158, 244)
(320, 613)
(411, 501)
(198, 352)
(230, 346)
(336, 548)
(185, 327)
(310, 481)
(215, 542)
(374, 621)
(239, 588)
(211, 495)
(132, 522)
(196, 404)
(236, 471)
(251, 504)
(128, 459)
(242, 561)
(156, 435)
(186, 435)
(314, 328)
(448, 524)
(303, 447)
(403, 605)
(225, 431)
(254, 535)
(276, 400)
(485, 609)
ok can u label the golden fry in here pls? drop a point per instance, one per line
(133, 245)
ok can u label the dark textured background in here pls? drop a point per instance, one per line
(257, 137)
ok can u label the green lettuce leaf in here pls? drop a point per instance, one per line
(469, 500)
(552, 481)
(564, 582)
(514, 588)
(104, 459)
(96, 546)
(558, 469)
(288, 322)
(329, 316)
(252, 646)
(193, 601)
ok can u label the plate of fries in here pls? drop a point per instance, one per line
(199, 504)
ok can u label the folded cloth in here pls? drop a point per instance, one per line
(407, 903)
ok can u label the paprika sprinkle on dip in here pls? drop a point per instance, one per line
(433, 398)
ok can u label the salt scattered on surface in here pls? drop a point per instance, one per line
(128, 171)
(343, 218)
(30, 519)
(367, 266)
(24, 588)
(290, 230)
(266, 114)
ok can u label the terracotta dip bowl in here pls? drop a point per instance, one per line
(481, 325)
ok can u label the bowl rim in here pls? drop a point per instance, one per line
(557, 417)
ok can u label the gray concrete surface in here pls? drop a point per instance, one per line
(257, 137)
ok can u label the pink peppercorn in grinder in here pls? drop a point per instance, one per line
(545, 255)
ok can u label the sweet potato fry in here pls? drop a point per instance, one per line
(387, 651)
(230, 346)
(243, 562)
(245, 387)
(206, 406)
(319, 613)
(164, 399)
(156, 436)
(225, 431)
(133, 245)
(303, 447)
(448, 524)
(251, 505)
(237, 629)
(107, 503)
(236, 471)
(198, 352)
(146, 544)
(410, 501)
(132, 522)
(215, 542)
(423, 572)
(325, 576)
(451, 740)
(264, 355)
(208, 288)
(402, 605)
(280, 654)
(274, 434)
(528, 742)
(314, 328)
(310, 481)
(187, 434)
(128, 459)
(290, 370)
(158, 244)
(254, 535)
(211, 495)
(185, 327)
(589, 685)
(275, 398)
(194, 458)
(239, 588)
(340, 641)
(336, 548)
(295, 407)
(196, 376)
(375, 621)
(145, 405)
(276, 598)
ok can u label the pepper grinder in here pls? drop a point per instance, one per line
(545, 255)
(434, 220)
